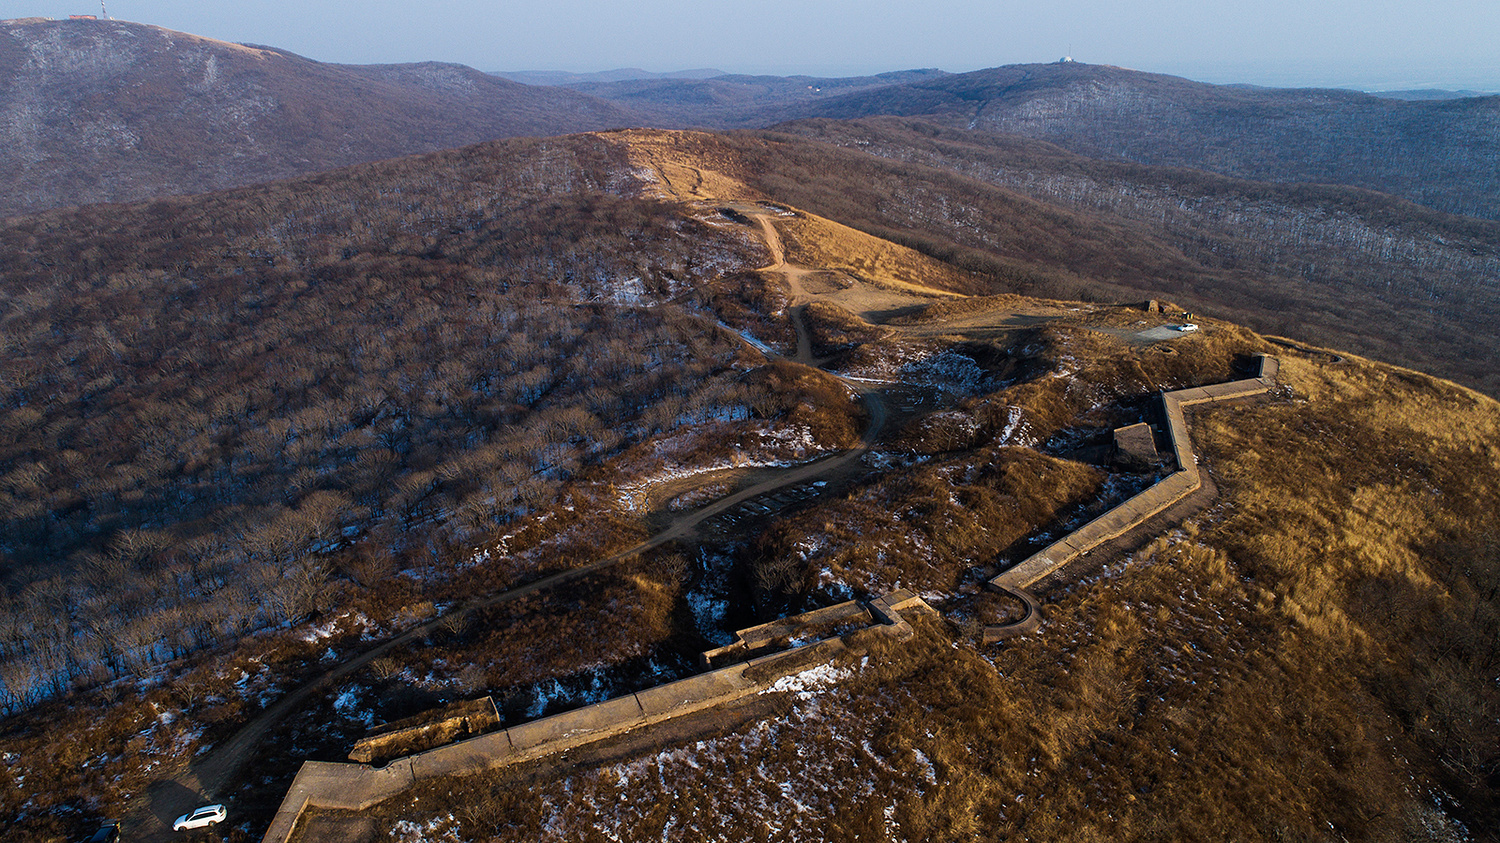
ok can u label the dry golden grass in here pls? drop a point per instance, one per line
(1311, 659)
(687, 166)
(815, 241)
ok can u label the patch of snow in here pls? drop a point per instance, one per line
(1013, 421)
(437, 830)
(806, 683)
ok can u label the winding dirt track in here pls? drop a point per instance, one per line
(208, 778)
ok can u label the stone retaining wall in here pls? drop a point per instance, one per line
(1130, 514)
(356, 787)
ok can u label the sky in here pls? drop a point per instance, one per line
(1369, 44)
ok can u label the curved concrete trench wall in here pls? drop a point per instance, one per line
(1134, 512)
(321, 784)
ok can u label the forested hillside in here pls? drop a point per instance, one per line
(110, 111)
(210, 393)
(734, 101)
(348, 426)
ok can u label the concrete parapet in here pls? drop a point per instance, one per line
(472, 754)
(1270, 368)
(427, 730)
(358, 786)
(1222, 391)
(1176, 425)
(572, 728)
(693, 694)
(1166, 492)
(326, 784)
(1029, 622)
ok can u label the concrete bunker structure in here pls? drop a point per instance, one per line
(1183, 481)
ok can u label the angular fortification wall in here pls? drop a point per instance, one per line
(356, 787)
(814, 637)
(1134, 512)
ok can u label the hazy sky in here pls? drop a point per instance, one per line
(1354, 43)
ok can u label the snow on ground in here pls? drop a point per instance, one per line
(760, 447)
(708, 597)
(807, 683)
(782, 791)
(748, 337)
(439, 830)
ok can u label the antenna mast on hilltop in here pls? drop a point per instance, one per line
(103, 12)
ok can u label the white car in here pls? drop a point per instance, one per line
(1187, 327)
(201, 818)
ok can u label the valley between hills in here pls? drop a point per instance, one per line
(543, 419)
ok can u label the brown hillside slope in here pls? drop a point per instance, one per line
(215, 390)
(109, 111)
(1309, 659)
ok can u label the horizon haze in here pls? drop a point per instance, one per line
(1283, 44)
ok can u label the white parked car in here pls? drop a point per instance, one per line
(1186, 327)
(201, 818)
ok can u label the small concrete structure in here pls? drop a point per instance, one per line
(789, 632)
(427, 730)
(1135, 448)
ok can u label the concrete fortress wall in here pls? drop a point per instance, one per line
(323, 784)
(1132, 513)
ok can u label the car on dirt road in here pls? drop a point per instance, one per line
(107, 833)
(200, 818)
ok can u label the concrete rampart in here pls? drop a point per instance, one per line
(357, 787)
(360, 786)
(1135, 511)
(1029, 622)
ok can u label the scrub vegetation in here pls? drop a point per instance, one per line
(1309, 659)
(247, 436)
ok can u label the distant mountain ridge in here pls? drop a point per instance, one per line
(1439, 153)
(109, 111)
(624, 74)
(736, 101)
